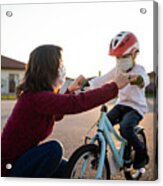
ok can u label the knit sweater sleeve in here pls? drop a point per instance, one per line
(49, 103)
(59, 117)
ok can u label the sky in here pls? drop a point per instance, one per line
(83, 30)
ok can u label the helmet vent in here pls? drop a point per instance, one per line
(115, 42)
(119, 35)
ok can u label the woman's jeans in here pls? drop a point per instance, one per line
(44, 161)
(127, 118)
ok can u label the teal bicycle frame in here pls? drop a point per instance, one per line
(103, 135)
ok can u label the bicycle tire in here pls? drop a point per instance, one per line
(87, 150)
(128, 174)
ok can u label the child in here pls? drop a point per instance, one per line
(131, 105)
(38, 106)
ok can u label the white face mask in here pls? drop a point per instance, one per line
(61, 76)
(124, 64)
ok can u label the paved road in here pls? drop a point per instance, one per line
(72, 129)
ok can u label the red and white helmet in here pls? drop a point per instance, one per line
(123, 43)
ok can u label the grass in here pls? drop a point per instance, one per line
(8, 97)
(150, 95)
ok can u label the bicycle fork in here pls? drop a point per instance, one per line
(100, 137)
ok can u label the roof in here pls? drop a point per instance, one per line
(152, 74)
(12, 64)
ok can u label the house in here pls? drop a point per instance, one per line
(66, 84)
(12, 72)
(152, 87)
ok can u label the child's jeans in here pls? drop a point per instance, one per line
(128, 118)
(44, 161)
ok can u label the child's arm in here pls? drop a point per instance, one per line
(99, 81)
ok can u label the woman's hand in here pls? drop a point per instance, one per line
(122, 79)
(76, 84)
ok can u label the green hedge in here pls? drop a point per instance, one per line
(8, 97)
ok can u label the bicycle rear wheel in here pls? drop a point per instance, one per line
(129, 172)
(83, 163)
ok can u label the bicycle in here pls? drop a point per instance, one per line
(92, 160)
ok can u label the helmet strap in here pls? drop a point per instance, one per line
(130, 69)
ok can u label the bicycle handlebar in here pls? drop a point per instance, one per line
(138, 81)
(85, 83)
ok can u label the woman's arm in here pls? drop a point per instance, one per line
(60, 104)
(59, 117)
(74, 86)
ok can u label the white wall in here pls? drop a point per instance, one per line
(5, 79)
(66, 85)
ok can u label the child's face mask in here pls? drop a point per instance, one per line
(124, 64)
(61, 76)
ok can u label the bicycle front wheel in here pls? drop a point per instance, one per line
(84, 162)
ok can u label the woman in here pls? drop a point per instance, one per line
(38, 106)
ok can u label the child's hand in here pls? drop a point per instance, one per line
(76, 84)
(136, 80)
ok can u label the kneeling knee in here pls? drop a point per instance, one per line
(55, 148)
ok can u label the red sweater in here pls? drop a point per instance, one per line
(34, 114)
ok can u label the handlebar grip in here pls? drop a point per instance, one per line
(138, 81)
(85, 83)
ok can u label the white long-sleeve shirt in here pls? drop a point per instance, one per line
(130, 95)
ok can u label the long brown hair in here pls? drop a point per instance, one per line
(42, 69)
